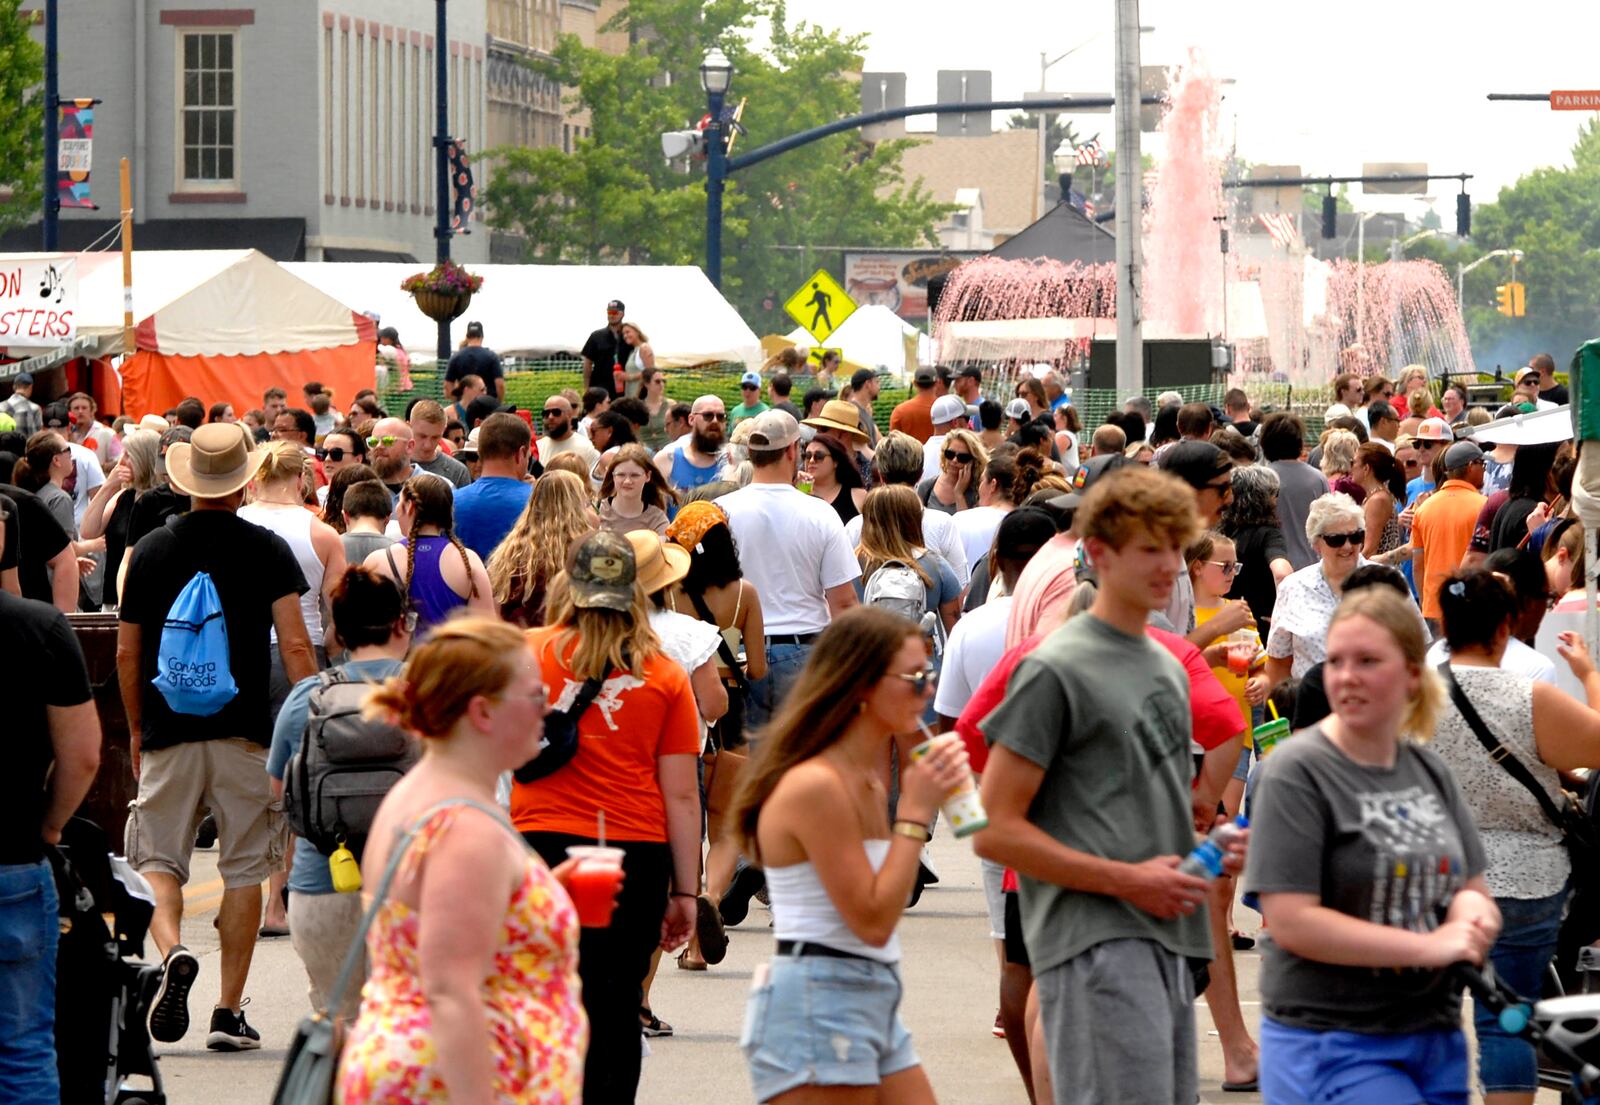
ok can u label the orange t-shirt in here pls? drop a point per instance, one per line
(1442, 528)
(914, 416)
(631, 725)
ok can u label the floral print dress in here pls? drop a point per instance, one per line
(537, 1025)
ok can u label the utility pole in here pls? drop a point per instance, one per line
(1130, 249)
(52, 129)
(441, 144)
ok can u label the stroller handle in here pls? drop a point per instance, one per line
(1515, 1014)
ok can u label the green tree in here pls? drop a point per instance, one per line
(22, 131)
(614, 200)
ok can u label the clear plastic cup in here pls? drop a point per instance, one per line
(593, 884)
(1242, 648)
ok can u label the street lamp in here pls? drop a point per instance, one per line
(1462, 270)
(1064, 158)
(716, 75)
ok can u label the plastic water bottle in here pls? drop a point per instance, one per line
(1206, 859)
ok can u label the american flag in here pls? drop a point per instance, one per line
(1282, 228)
(1090, 152)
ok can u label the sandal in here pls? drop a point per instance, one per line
(652, 1025)
(687, 961)
(709, 932)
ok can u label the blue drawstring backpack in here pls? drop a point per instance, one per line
(193, 670)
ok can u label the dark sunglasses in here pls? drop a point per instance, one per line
(813, 458)
(335, 454)
(712, 416)
(920, 681)
(959, 458)
(1222, 488)
(555, 413)
(1337, 540)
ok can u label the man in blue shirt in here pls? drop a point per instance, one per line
(370, 620)
(487, 508)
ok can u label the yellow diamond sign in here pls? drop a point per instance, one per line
(820, 305)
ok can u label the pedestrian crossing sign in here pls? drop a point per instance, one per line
(820, 305)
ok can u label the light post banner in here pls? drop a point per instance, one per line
(39, 302)
(75, 159)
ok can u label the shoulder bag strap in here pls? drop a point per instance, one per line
(723, 650)
(352, 958)
(1498, 752)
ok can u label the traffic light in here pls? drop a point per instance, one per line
(1330, 216)
(1511, 299)
(1463, 216)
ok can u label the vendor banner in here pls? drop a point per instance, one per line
(38, 302)
(898, 281)
(76, 148)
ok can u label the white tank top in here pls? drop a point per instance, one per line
(294, 526)
(802, 910)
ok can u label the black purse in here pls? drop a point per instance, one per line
(1578, 831)
(728, 730)
(312, 1065)
(560, 743)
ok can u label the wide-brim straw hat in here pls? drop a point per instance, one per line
(661, 563)
(839, 414)
(216, 461)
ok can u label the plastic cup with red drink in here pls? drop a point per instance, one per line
(594, 882)
(1242, 648)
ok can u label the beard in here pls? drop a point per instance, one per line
(707, 441)
(388, 467)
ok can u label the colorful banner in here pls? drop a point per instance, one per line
(38, 302)
(76, 147)
(898, 280)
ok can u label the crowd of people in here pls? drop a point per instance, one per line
(703, 644)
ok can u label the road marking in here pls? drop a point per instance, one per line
(202, 890)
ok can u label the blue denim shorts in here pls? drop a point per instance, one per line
(1521, 956)
(817, 1021)
(1301, 1066)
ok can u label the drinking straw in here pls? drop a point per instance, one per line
(601, 828)
(1270, 706)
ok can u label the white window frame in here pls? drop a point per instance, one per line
(180, 112)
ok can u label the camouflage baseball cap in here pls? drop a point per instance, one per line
(603, 573)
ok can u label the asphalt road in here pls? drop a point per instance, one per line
(949, 970)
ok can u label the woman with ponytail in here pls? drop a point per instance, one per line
(439, 575)
(43, 468)
(473, 993)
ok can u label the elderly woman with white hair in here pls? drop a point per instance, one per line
(1308, 598)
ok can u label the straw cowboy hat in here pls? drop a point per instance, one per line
(839, 414)
(215, 462)
(660, 563)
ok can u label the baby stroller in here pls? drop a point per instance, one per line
(1566, 1030)
(103, 989)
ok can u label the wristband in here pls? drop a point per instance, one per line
(681, 894)
(913, 830)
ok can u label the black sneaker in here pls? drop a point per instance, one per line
(735, 904)
(169, 1013)
(229, 1032)
(206, 835)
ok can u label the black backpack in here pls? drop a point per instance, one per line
(345, 765)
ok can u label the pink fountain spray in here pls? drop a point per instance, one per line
(1183, 266)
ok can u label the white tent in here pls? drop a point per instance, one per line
(539, 310)
(874, 335)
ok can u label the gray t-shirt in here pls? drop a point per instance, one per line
(359, 545)
(1386, 845)
(1106, 716)
(1299, 485)
(447, 467)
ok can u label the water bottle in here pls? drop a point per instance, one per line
(1206, 859)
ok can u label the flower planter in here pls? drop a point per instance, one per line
(442, 306)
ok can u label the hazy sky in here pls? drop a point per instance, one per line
(1325, 86)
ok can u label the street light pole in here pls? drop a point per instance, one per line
(52, 129)
(1130, 249)
(716, 75)
(441, 142)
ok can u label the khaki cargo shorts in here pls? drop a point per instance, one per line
(228, 777)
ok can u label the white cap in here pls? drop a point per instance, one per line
(947, 408)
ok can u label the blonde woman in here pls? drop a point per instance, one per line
(522, 566)
(891, 532)
(1339, 448)
(962, 459)
(1371, 879)
(643, 356)
(110, 512)
(638, 748)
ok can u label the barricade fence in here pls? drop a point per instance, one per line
(530, 382)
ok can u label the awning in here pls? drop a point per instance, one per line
(1538, 428)
(279, 239)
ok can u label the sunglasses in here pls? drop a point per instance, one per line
(555, 413)
(335, 454)
(959, 458)
(1229, 567)
(921, 681)
(385, 441)
(813, 458)
(712, 416)
(1220, 488)
(1337, 540)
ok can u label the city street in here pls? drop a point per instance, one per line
(950, 1004)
